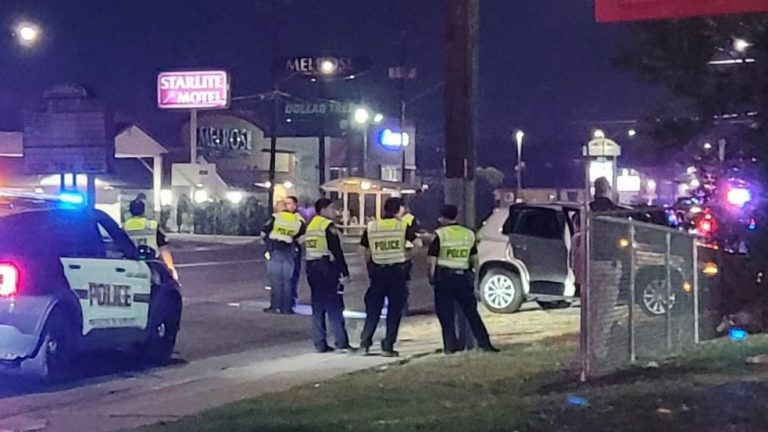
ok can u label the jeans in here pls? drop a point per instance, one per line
(323, 281)
(280, 271)
(452, 288)
(387, 282)
(295, 279)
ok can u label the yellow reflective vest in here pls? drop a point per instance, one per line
(316, 240)
(408, 219)
(142, 231)
(456, 243)
(285, 227)
(386, 241)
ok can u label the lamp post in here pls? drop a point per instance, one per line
(519, 135)
(363, 118)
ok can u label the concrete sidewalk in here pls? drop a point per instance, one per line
(168, 394)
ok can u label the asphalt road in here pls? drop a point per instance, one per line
(223, 286)
(224, 294)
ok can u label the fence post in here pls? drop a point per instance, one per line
(696, 334)
(631, 302)
(668, 300)
(584, 339)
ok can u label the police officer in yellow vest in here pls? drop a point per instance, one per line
(383, 243)
(327, 272)
(452, 257)
(281, 236)
(145, 232)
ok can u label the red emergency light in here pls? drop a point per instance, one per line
(643, 10)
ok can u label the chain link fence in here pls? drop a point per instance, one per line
(646, 298)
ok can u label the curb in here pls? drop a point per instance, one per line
(214, 239)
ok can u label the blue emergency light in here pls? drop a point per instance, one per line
(74, 198)
(738, 334)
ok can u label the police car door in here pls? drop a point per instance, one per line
(114, 287)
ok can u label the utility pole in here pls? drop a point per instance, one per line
(273, 151)
(322, 139)
(403, 60)
(460, 91)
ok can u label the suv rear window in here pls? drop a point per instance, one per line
(535, 222)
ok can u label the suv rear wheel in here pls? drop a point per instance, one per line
(501, 291)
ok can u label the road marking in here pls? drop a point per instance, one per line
(219, 263)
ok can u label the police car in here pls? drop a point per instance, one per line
(71, 281)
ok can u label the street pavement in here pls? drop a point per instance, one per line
(229, 349)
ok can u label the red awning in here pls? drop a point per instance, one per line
(639, 10)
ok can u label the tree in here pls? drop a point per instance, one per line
(687, 58)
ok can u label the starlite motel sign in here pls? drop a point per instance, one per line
(193, 90)
(638, 10)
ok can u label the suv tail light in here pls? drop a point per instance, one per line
(9, 279)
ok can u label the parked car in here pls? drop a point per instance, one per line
(526, 254)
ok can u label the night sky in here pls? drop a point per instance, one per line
(545, 64)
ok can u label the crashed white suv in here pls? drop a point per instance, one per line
(524, 254)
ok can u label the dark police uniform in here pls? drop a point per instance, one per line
(325, 265)
(454, 247)
(385, 239)
(282, 233)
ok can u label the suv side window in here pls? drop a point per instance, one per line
(539, 222)
(115, 241)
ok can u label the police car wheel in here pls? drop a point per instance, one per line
(501, 291)
(57, 348)
(158, 348)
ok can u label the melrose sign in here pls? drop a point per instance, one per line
(193, 90)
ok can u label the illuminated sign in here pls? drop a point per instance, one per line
(225, 140)
(394, 140)
(638, 10)
(320, 109)
(327, 66)
(193, 90)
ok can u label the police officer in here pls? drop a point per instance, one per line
(327, 272)
(383, 244)
(282, 233)
(292, 205)
(452, 256)
(145, 232)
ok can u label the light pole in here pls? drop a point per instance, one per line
(363, 118)
(519, 135)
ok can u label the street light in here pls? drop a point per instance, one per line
(327, 67)
(363, 118)
(519, 135)
(741, 45)
(598, 133)
(28, 34)
(632, 133)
